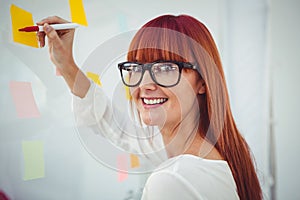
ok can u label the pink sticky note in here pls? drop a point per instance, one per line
(122, 167)
(23, 99)
(57, 72)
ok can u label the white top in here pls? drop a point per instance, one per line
(190, 177)
(183, 177)
(112, 121)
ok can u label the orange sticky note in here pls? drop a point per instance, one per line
(34, 164)
(23, 99)
(21, 18)
(77, 12)
(94, 77)
(134, 160)
(122, 167)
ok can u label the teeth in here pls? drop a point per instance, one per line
(154, 101)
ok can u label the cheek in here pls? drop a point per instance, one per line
(133, 92)
(185, 96)
(182, 104)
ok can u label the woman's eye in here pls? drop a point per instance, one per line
(166, 68)
(136, 69)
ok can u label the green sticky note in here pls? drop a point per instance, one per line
(34, 165)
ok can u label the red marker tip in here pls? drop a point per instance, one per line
(29, 29)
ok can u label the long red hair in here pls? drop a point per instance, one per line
(183, 38)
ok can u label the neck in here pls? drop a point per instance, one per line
(185, 138)
(178, 137)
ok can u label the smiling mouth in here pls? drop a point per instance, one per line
(154, 101)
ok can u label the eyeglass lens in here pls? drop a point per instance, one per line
(165, 74)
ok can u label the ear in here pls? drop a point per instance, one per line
(202, 89)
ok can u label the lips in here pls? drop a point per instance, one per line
(154, 101)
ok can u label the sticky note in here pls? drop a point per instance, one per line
(23, 99)
(122, 22)
(94, 77)
(127, 91)
(21, 18)
(77, 12)
(122, 167)
(57, 72)
(33, 154)
(134, 161)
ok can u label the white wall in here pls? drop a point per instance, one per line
(244, 59)
(285, 68)
(70, 171)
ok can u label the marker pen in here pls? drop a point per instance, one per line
(55, 26)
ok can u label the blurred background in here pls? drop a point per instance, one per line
(259, 44)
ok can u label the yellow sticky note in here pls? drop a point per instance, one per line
(128, 95)
(94, 77)
(127, 91)
(21, 18)
(77, 12)
(134, 160)
(34, 165)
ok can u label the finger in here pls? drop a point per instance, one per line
(60, 33)
(41, 38)
(52, 20)
(52, 36)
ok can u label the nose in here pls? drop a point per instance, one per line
(147, 81)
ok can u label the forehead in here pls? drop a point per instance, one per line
(150, 55)
(153, 43)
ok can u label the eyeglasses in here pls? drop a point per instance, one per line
(163, 73)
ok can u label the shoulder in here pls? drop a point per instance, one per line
(164, 185)
(190, 177)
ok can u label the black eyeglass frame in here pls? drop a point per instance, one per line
(148, 66)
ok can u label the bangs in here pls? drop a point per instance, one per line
(152, 44)
(148, 55)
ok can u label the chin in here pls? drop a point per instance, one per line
(149, 122)
(152, 120)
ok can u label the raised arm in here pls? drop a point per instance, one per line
(60, 43)
(92, 109)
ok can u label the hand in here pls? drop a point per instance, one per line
(60, 43)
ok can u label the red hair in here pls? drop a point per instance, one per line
(183, 38)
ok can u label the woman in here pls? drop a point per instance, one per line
(176, 81)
